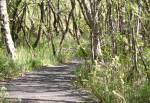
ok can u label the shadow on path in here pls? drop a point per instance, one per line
(47, 85)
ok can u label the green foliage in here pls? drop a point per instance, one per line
(65, 55)
(68, 50)
(8, 68)
(82, 74)
(33, 58)
(34, 63)
(107, 82)
(147, 56)
(26, 60)
(144, 94)
(3, 94)
(82, 53)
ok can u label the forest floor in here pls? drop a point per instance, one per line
(47, 85)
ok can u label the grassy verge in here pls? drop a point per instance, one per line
(26, 60)
(108, 82)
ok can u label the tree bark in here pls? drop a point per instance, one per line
(6, 29)
(90, 11)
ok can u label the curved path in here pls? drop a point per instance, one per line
(47, 85)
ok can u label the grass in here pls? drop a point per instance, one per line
(108, 83)
(8, 67)
(26, 60)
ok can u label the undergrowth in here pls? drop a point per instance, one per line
(108, 82)
(26, 60)
(3, 94)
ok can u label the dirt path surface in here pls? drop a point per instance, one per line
(47, 85)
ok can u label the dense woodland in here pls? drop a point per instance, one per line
(110, 37)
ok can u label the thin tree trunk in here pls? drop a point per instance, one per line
(40, 27)
(14, 23)
(6, 29)
(50, 30)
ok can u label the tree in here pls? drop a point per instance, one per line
(90, 11)
(6, 29)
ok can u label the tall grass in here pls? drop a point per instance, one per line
(26, 60)
(108, 82)
(41, 56)
(8, 67)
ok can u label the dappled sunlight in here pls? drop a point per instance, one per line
(48, 84)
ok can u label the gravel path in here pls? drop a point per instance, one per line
(47, 85)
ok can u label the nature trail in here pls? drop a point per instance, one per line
(47, 85)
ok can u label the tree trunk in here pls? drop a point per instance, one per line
(40, 26)
(90, 11)
(6, 29)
